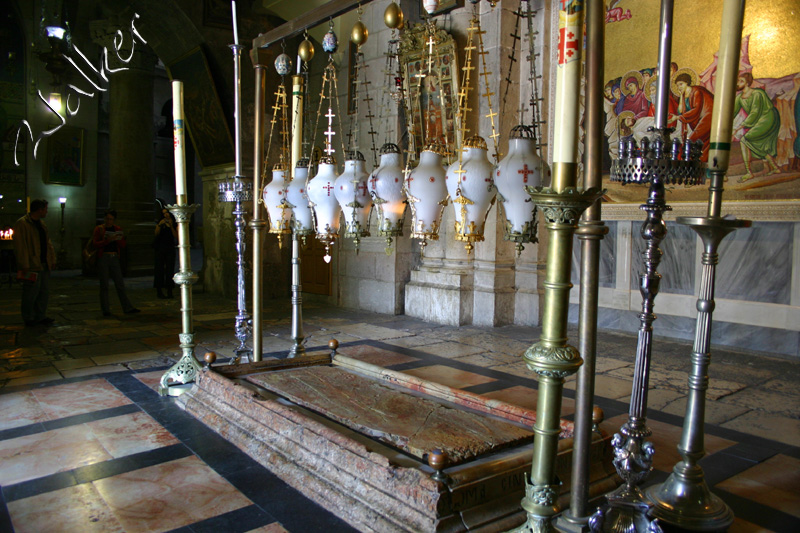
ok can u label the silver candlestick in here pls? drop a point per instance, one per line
(238, 192)
(655, 161)
(684, 499)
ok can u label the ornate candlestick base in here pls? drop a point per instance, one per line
(185, 370)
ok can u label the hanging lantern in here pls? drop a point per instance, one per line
(521, 168)
(279, 211)
(470, 185)
(426, 189)
(324, 206)
(355, 201)
(303, 223)
(430, 6)
(386, 189)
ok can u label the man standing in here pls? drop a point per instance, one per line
(758, 133)
(109, 240)
(36, 257)
(695, 104)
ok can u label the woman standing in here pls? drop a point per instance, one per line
(109, 240)
(164, 244)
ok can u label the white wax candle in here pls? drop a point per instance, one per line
(235, 29)
(178, 133)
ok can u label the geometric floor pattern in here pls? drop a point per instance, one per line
(87, 445)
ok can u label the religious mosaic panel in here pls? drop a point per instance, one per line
(765, 153)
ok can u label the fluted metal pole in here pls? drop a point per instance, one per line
(257, 224)
(590, 232)
(684, 499)
(297, 348)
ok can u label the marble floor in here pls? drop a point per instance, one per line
(87, 445)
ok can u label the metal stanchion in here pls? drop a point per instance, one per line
(590, 232)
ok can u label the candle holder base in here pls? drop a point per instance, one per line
(184, 371)
(684, 500)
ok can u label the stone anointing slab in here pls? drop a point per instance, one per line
(414, 424)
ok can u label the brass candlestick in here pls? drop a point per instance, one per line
(552, 358)
(684, 499)
(185, 370)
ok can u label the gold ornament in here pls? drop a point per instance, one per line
(393, 16)
(306, 50)
(359, 34)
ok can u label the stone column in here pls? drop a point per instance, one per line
(131, 134)
(449, 286)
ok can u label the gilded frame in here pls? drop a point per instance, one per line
(420, 96)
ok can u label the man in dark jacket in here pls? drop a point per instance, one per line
(36, 257)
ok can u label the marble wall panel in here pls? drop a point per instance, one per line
(608, 263)
(677, 267)
(768, 340)
(756, 263)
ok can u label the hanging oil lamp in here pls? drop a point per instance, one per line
(426, 190)
(278, 209)
(386, 188)
(470, 180)
(274, 193)
(302, 221)
(324, 207)
(354, 200)
(521, 168)
(320, 190)
(471, 187)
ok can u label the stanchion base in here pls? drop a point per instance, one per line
(571, 524)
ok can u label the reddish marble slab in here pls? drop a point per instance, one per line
(414, 424)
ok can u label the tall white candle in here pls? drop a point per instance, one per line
(179, 134)
(235, 29)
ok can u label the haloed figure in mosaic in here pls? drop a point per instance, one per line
(758, 134)
(109, 241)
(36, 257)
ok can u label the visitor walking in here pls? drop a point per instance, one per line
(36, 257)
(109, 240)
(165, 241)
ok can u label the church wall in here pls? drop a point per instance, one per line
(757, 291)
(79, 214)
